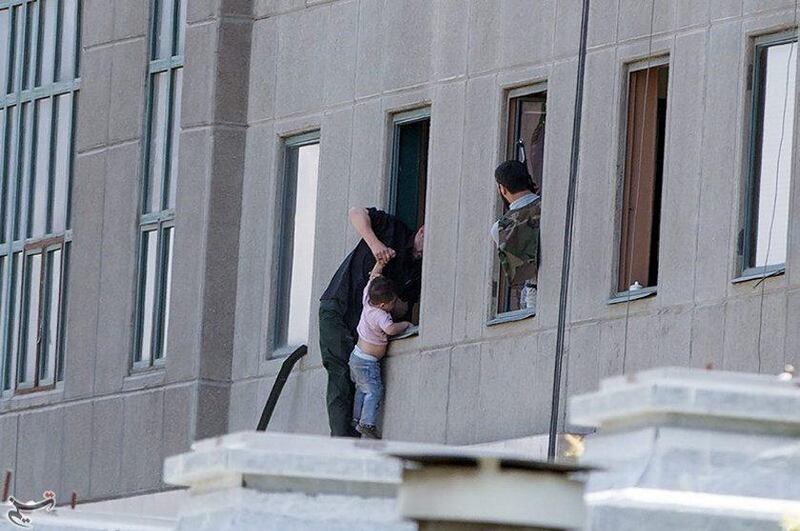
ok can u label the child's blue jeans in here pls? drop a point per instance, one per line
(365, 372)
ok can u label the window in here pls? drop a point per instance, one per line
(296, 239)
(645, 129)
(39, 43)
(159, 182)
(527, 111)
(409, 172)
(763, 242)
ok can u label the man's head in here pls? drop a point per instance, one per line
(512, 179)
(382, 294)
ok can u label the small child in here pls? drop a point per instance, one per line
(374, 327)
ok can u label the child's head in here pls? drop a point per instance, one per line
(381, 293)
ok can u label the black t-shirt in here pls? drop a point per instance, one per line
(405, 271)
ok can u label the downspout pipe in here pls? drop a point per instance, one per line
(568, 226)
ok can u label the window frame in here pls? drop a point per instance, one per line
(745, 249)
(25, 87)
(284, 242)
(161, 221)
(628, 68)
(519, 92)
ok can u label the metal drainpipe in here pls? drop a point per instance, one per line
(568, 224)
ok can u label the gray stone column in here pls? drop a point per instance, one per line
(212, 145)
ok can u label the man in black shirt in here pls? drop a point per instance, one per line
(384, 237)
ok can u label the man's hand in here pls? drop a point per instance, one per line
(359, 218)
(381, 252)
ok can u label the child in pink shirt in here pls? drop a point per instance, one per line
(374, 328)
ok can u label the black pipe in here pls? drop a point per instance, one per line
(568, 224)
(277, 387)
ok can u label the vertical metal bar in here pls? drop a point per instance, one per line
(4, 203)
(62, 312)
(78, 41)
(12, 180)
(568, 226)
(34, 132)
(59, 37)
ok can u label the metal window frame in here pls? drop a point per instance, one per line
(400, 119)
(41, 248)
(162, 220)
(25, 65)
(745, 249)
(284, 243)
(511, 95)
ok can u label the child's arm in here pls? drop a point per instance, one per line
(395, 329)
(377, 270)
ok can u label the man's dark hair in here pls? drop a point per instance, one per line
(381, 290)
(514, 176)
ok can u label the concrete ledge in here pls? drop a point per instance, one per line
(244, 508)
(691, 397)
(281, 462)
(664, 510)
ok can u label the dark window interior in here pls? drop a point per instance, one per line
(409, 172)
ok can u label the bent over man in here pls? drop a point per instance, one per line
(385, 238)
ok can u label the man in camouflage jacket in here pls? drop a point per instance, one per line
(516, 233)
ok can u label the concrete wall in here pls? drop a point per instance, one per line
(345, 66)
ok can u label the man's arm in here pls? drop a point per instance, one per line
(359, 218)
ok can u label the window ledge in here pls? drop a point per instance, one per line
(510, 317)
(411, 331)
(759, 274)
(635, 295)
(282, 352)
(45, 397)
(145, 378)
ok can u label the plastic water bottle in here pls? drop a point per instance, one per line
(527, 296)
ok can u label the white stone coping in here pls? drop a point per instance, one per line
(67, 519)
(303, 463)
(744, 507)
(239, 458)
(290, 510)
(676, 395)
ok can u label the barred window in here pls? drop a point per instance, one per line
(39, 80)
(159, 182)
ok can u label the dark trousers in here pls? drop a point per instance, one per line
(336, 343)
